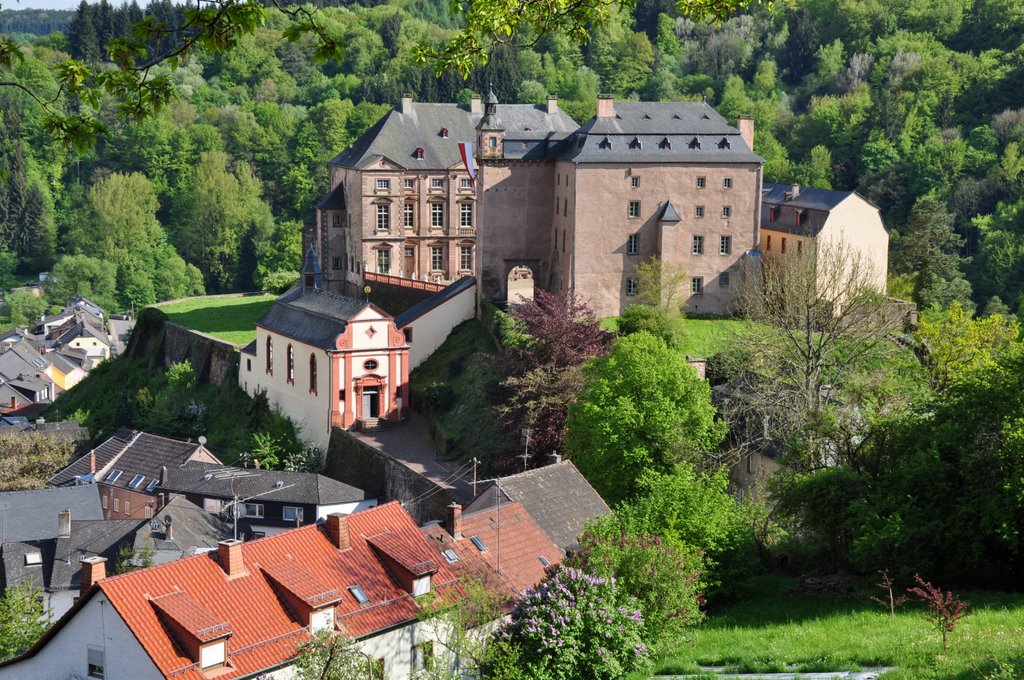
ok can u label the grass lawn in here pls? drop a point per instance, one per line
(704, 337)
(229, 318)
(774, 631)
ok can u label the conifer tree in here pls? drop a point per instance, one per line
(82, 38)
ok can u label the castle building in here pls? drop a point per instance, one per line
(578, 207)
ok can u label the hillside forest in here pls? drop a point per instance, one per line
(915, 104)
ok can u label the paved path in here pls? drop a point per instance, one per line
(410, 443)
(713, 672)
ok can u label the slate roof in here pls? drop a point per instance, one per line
(335, 200)
(434, 301)
(669, 214)
(658, 132)
(18, 570)
(397, 135)
(808, 198)
(557, 496)
(32, 515)
(314, 317)
(13, 365)
(264, 632)
(133, 453)
(89, 538)
(516, 551)
(307, 488)
(193, 530)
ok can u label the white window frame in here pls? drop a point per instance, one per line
(409, 215)
(696, 285)
(437, 182)
(383, 185)
(466, 258)
(634, 182)
(436, 258)
(726, 212)
(96, 662)
(410, 183)
(633, 211)
(258, 507)
(297, 512)
(698, 212)
(437, 211)
(702, 181)
(214, 654)
(383, 217)
(465, 215)
(725, 245)
(631, 286)
(465, 183)
(383, 261)
(727, 182)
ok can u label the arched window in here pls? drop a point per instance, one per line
(291, 365)
(270, 355)
(312, 374)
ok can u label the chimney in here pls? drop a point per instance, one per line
(337, 530)
(14, 402)
(168, 529)
(159, 500)
(163, 475)
(746, 126)
(556, 457)
(454, 521)
(794, 191)
(92, 462)
(92, 570)
(605, 106)
(406, 103)
(64, 523)
(229, 554)
(552, 104)
(476, 104)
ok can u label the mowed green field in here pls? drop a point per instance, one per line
(704, 337)
(775, 631)
(229, 318)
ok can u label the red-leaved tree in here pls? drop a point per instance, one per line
(543, 373)
(945, 609)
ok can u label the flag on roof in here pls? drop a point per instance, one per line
(466, 151)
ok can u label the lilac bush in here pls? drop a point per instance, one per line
(575, 625)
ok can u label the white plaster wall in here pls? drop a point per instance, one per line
(59, 602)
(345, 508)
(430, 330)
(859, 223)
(395, 647)
(65, 656)
(311, 412)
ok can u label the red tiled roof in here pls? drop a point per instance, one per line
(264, 635)
(301, 584)
(511, 561)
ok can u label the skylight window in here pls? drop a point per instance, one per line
(450, 556)
(33, 558)
(544, 561)
(478, 543)
(358, 593)
(112, 477)
(136, 481)
(152, 485)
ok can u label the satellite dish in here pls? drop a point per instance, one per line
(202, 440)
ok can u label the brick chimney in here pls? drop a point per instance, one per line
(229, 554)
(476, 104)
(406, 103)
(92, 570)
(337, 530)
(64, 523)
(552, 104)
(453, 522)
(168, 528)
(746, 127)
(92, 462)
(605, 106)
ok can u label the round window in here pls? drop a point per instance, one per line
(370, 365)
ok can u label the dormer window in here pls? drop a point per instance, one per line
(444, 133)
(801, 218)
(635, 143)
(647, 117)
(605, 144)
(773, 214)
(724, 144)
(213, 655)
(421, 586)
(665, 144)
(419, 153)
(694, 143)
(321, 619)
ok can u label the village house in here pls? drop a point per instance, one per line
(797, 219)
(244, 610)
(556, 496)
(265, 502)
(127, 468)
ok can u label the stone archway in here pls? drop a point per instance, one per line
(520, 284)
